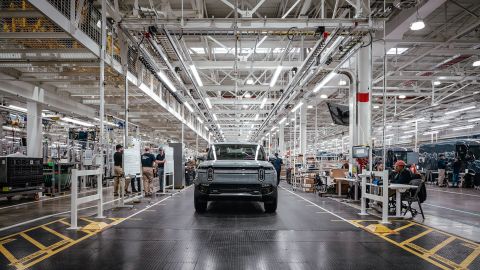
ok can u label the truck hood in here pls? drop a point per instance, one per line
(236, 164)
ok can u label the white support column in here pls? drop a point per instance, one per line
(102, 74)
(303, 132)
(281, 139)
(34, 129)
(363, 96)
(352, 106)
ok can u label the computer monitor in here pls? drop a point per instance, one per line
(360, 152)
(339, 113)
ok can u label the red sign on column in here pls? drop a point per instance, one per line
(363, 97)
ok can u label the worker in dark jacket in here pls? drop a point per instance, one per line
(457, 164)
(277, 164)
(148, 161)
(402, 173)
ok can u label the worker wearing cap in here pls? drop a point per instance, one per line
(118, 168)
(160, 161)
(402, 174)
(148, 161)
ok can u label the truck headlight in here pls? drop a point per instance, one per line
(210, 174)
(261, 174)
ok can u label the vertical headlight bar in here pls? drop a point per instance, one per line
(261, 174)
(210, 174)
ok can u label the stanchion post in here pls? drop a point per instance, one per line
(73, 200)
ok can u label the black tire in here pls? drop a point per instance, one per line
(271, 206)
(200, 206)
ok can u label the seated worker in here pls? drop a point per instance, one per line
(402, 174)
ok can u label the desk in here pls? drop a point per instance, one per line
(399, 188)
(353, 180)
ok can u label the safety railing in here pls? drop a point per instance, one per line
(75, 201)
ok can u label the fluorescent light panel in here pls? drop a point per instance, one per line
(215, 117)
(324, 81)
(297, 106)
(275, 76)
(209, 104)
(196, 75)
(474, 120)
(17, 108)
(263, 102)
(188, 106)
(461, 110)
(78, 122)
(283, 120)
(462, 128)
(166, 81)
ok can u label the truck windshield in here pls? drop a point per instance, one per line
(235, 152)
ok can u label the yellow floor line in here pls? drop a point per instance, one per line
(441, 245)
(411, 239)
(30, 229)
(470, 258)
(64, 222)
(33, 241)
(401, 228)
(57, 233)
(8, 255)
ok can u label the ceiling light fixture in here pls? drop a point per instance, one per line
(461, 110)
(215, 117)
(324, 81)
(418, 24)
(437, 82)
(283, 120)
(17, 108)
(462, 128)
(376, 106)
(256, 116)
(402, 96)
(249, 81)
(323, 96)
(440, 126)
(200, 120)
(275, 76)
(415, 120)
(75, 121)
(310, 106)
(166, 81)
(264, 100)
(297, 106)
(247, 95)
(342, 82)
(196, 75)
(476, 63)
(431, 132)
(209, 104)
(474, 120)
(188, 106)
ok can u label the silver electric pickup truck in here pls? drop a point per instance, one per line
(236, 171)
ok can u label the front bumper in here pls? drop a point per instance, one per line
(243, 192)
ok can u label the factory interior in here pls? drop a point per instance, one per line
(239, 134)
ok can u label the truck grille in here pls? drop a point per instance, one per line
(235, 188)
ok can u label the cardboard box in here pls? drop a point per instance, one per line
(309, 181)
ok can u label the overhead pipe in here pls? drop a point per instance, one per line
(194, 82)
(306, 65)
